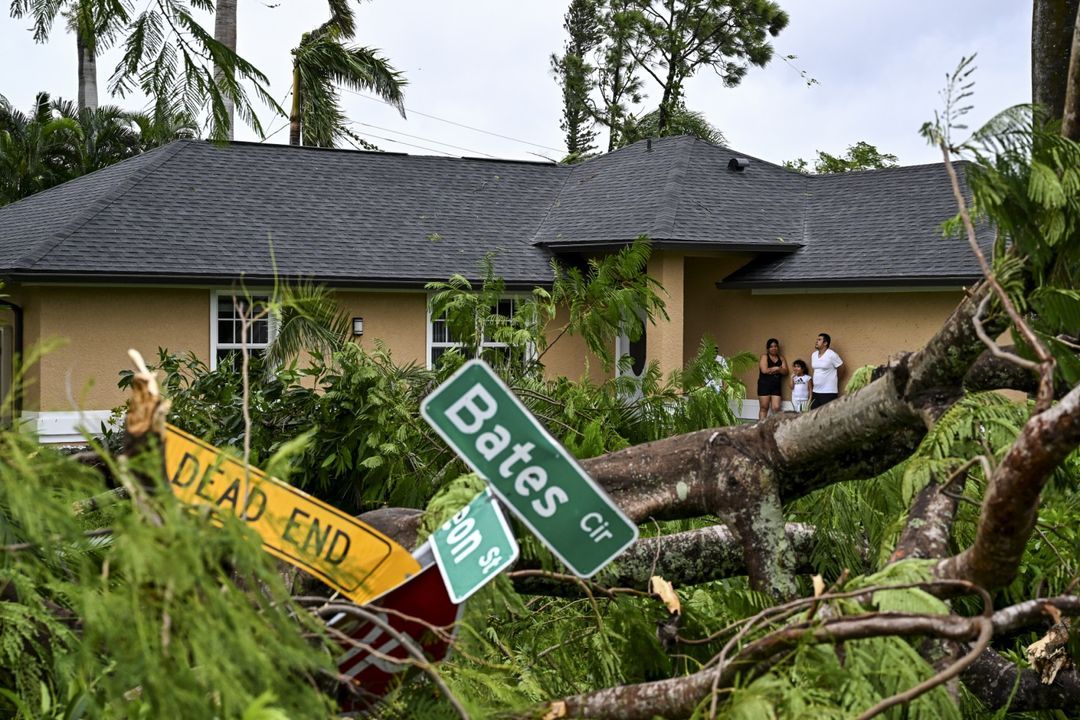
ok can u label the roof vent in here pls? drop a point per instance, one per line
(738, 164)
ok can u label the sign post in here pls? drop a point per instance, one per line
(534, 475)
(473, 547)
(338, 549)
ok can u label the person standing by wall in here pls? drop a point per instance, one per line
(802, 385)
(826, 364)
(771, 368)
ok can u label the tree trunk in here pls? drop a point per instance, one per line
(294, 114)
(225, 33)
(1070, 117)
(88, 94)
(1052, 24)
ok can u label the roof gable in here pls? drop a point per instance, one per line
(676, 190)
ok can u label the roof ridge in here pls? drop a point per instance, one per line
(168, 152)
(893, 168)
(664, 223)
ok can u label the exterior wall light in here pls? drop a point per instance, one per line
(357, 326)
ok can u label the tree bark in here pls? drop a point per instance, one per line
(1052, 25)
(683, 559)
(1070, 117)
(1010, 507)
(999, 683)
(88, 93)
(225, 33)
(294, 114)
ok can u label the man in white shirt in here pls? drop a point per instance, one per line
(826, 364)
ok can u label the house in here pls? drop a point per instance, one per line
(145, 253)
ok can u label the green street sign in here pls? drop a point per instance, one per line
(473, 547)
(528, 469)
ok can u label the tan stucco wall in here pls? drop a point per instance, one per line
(98, 325)
(567, 355)
(866, 327)
(665, 341)
(95, 327)
(399, 320)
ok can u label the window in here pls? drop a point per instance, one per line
(441, 339)
(226, 327)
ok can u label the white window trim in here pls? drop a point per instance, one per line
(214, 345)
(430, 344)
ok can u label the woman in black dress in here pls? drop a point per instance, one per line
(772, 367)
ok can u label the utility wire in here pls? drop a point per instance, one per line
(451, 122)
(401, 142)
(417, 137)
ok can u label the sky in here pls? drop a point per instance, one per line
(479, 79)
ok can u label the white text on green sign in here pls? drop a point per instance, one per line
(528, 469)
(473, 547)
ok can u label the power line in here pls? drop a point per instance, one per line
(461, 125)
(401, 142)
(417, 137)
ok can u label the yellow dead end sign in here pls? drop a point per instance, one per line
(343, 552)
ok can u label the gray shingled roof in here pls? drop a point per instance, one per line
(677, 190)
(873, 227)
(197, 212)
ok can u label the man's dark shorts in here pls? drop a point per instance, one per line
(820, 399)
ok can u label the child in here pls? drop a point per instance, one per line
(802, 385)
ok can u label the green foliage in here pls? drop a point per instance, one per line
(1025, 182)
(860, 156)
(366, 443)
(575, 75)
(671, 41)
(621, 42)
(56, 142)
(680, 122)
(613, 295)
(170, 615)
(37, 150)
(321, 62)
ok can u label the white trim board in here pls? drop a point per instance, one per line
(64, 427)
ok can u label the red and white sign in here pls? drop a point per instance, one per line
(411, 609)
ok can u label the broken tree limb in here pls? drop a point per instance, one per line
(1010, 507)
(998, 684)
(686, 558)
(677, 697)
(929, 527)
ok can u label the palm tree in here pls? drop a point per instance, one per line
(323, 61)
(162, 128)
(37, 150)
(682, 121)
(168, 56)
(95, 23)
(307, 318)
(108, 135)
(225, 33)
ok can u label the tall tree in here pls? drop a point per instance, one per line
(37, 149)
(225, 33)
(671, 40)
(107, 135)
(323, 61)
(95, 24)
(860, 156)
(1052, 24)
(168, 56)
(618, 81)
(575, 75)
(682, 121)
